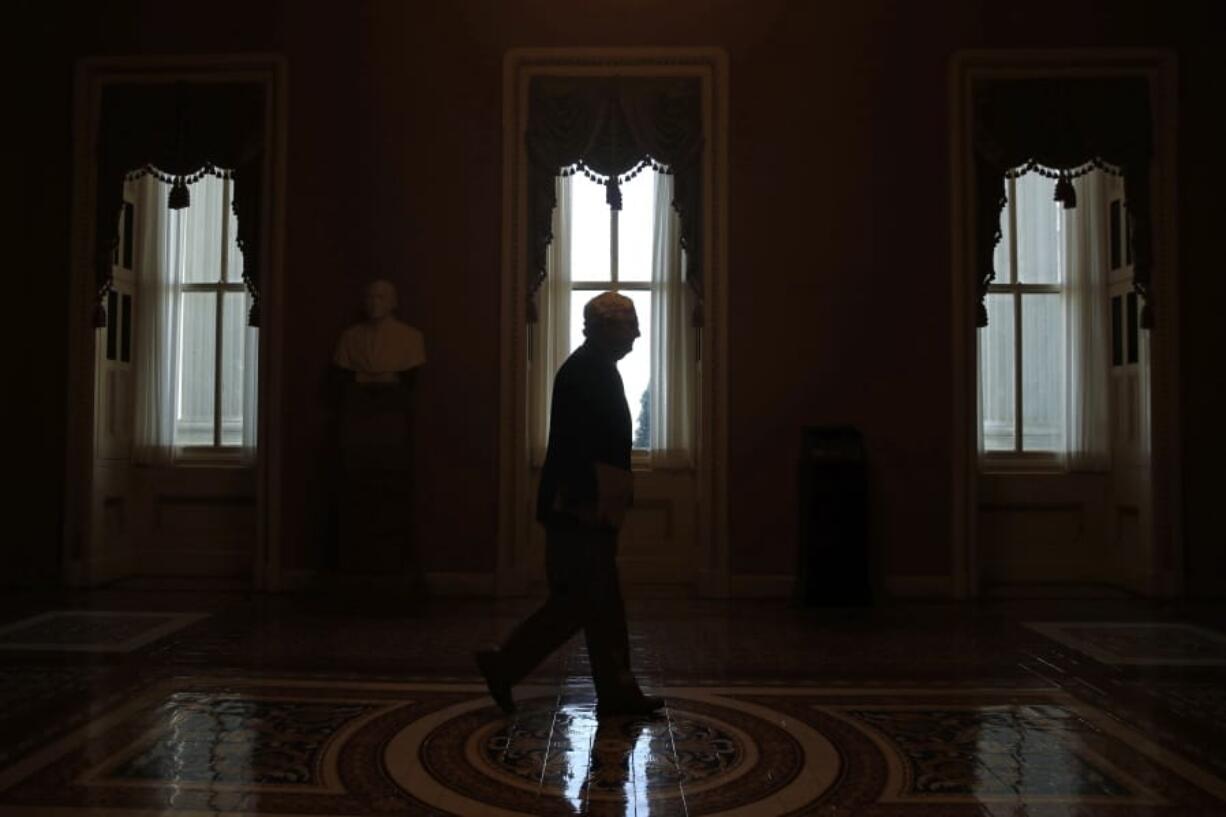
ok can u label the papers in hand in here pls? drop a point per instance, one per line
(614, 493)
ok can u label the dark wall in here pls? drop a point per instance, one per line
(839, 232)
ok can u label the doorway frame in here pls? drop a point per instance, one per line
(710, 65)
(92, 76)
(1164, 576)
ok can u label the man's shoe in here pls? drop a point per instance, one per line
(500, 690)
(635, 703)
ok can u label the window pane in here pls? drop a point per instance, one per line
(1038, 230)
(125, 334)
(578, 297)
(996, 362)
(635, 368)
(1133, 326)
(1117, 239)
(233, 337)
(198, 327)
(1127, 238)
(635, 225)
(129, 221)
(112, 323)
(201, 231)
(1042, 372)
(589, 230)
(1117, 331)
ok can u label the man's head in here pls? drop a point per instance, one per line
(610, 322)
(379, 299)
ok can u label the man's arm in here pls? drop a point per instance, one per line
(571, 441)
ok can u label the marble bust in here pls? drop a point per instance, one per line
(380, 348)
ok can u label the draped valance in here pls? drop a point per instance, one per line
(1069, 127)
(611, 128)
(180, 132)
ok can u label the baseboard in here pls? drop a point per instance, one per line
(295, 581)
(921, 587)
(658, 590)
(219, 563)
(1079, 571)
(1055, 590)
(761, 585)
(461, 584)
(1166, 584)
(437, 584)
(782, 586)
(712, 584)
(106, 569)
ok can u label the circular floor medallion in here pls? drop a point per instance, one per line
(730, 757)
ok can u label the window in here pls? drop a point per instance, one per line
(634, 251)
(196, 356)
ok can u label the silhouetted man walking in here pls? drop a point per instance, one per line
(585, 489)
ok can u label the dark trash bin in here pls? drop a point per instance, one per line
(833, 525)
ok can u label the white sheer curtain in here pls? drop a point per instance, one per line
(156, 328)
(1089, 331)
(997, 407)
(251, 385)
(553, 329)
(672, 359)
(189, 267)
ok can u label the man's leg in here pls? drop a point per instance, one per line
(604, 625)
(562, 613)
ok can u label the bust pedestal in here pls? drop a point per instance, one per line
(375, 502)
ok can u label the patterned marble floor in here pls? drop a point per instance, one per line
(143, 703)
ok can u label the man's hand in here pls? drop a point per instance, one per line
(614, 493)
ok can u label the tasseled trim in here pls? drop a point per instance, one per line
(1065, 193)
(696, 319)
(613, 193)
(180, 198)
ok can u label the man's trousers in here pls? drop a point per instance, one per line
(584, 592)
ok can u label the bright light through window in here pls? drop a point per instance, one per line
(593, 271)
(213, 306)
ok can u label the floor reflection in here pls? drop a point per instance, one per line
(611, 766)
(575, 731)
(262, 710)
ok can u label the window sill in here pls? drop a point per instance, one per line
(1012, 462)
(644, 462)
(211, 457)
